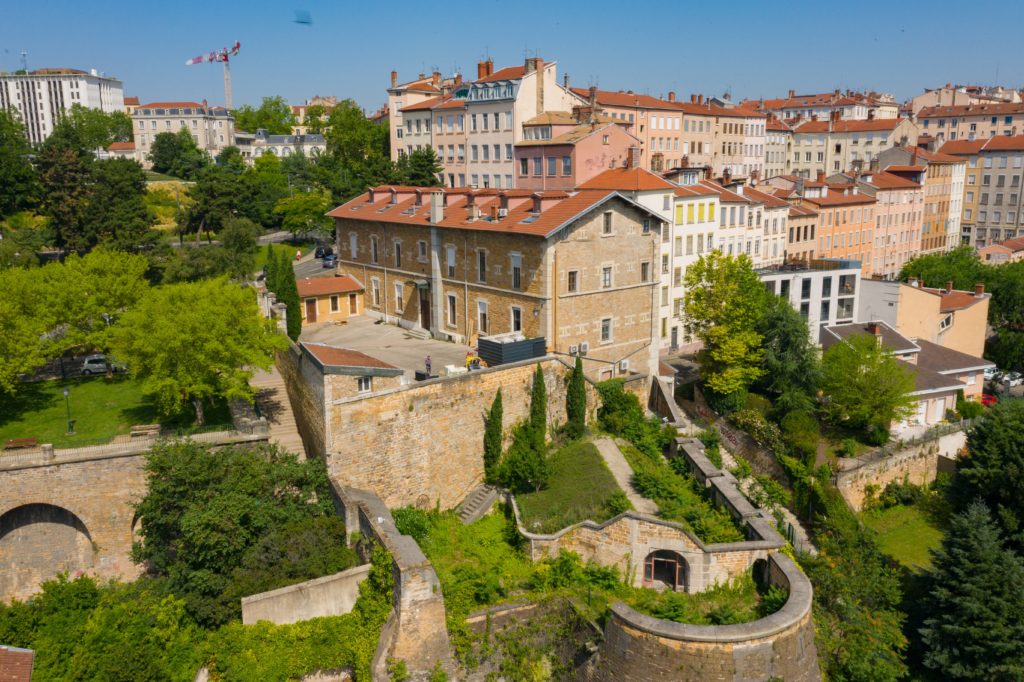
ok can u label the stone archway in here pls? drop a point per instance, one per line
(666, 569)
(37, 542)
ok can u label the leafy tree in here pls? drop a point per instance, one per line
(304, 213)
(358, 151)
(117, 214)
(1006, 349)
(194, 263)
(289, 295)
(975, 631)
(961, 265)
(865, 386)
(539, 408)
(19, 184)
(421, 168)
(204, 512)
(273, 115)
(67, 184)
(525, 468)
(265, 185)
(193, 342)
(493, 438)
(231, 157)
(239, 241)
(177, 154)
(724, 303)
(315, 119)
(25, 317)
(993, 470)
(218, 194)
(88, 130)
(576, 402)
(24, 235)
(791, 366)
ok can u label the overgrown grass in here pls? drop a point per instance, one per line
(680, 498)
(163, 198)
(724, 604)
(101, 408)
(906, 533)
(287, 248)
(580, 487)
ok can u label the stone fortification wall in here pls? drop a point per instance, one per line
(332, 595)
(415, 632)
(422, 444)
(305, 386)
(638, 648)
(918, 464)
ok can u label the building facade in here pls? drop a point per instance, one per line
(559, 152)
(212, 128)
(972, 121)
(44, 95)
(778, 148)
(836, 145)
(823, 291)
(846, 225)
(992, 210)
(851, 105)
(574, 268)
(943, 192)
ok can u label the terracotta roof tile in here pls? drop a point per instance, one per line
(454, 103)
(16, 664)
(932, 157)
(993, 109)
(344, 357)
(627, 179)
(886, 181)
(322, 286)
(506, 74)
(769, 200)
(121, 147)
(955, 300)
(425, 105)
(837, 199)
(131, 101)
(965, 147)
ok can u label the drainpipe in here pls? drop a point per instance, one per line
(465, 283)
(554, 298)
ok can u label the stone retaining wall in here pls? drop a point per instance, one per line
(306, 395)
(332, 595)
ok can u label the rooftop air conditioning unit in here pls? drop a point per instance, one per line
(623, 366)
(502, 212)
(574, 350)
(584, 347)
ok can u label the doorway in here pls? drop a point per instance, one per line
(667, 568)
(424, 307)
(310, 310)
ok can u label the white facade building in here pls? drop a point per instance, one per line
(825, 291)
(42, 96)
(212, 128)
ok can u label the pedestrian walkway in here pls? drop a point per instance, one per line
(623, 474)
(273, 403)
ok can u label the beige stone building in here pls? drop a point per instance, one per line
(577, 269)
(972, 121)
(836, 145)
(212, 128)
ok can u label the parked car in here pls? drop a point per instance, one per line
(322, 251)
(988, 400)
(1013, 379)
(992, 373)
(97, 364)
(329, 261)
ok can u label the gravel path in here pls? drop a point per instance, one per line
(623, 475)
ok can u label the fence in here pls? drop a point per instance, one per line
(932, 434)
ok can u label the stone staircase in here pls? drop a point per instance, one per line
(477, 503)
(417, 333)
(272, 399)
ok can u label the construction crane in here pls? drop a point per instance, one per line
(222, 55)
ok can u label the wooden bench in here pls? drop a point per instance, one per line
(19, 443)
(145, 431)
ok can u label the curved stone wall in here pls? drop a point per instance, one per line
(638, 647)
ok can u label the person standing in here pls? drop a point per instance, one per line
(427, 363)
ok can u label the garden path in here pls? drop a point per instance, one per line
(272, 398)
(623, 474)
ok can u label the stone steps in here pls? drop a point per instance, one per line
(272, 398)
(477, 503)
(417, 333)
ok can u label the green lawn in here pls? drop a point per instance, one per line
(101, 409)
(287, 248)
(905, 533)
(153, 176)
(579, 489)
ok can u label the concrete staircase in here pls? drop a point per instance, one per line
(477, 503)
(418, 333)
(272, 400)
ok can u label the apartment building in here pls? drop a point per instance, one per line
(212, 128)
(778, 148)
(972, 121)
(42, 96)
(739, 146)
(574, 268)
(801, 238)
(846, 225)
(834, 145)
(943, 192)
(851, 105)
(992, 209)
(824, 291)
(255, 145)
(299, 111)
(1009, 251)
(402, 95)
(449, 133)
(744, 223)
(962, 95)
(899, 212)
(561, 151)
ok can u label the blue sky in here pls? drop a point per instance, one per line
(753, 49)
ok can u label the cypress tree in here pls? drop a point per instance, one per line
(289, 295)
(492, 440)
(975, 631)
(269, 267)
(576, 402)
(539, 409)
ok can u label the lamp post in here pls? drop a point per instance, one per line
(67, 403)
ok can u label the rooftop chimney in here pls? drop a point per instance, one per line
(394, 79)
(435, 78)
(979, 290)
(436, 207)
(949, 286)
(474, 213)
(693, 99)
(484, 69)
(700, 98)
(494, 213)
(565, 81)
(792, 93)
(876, 330)
(671, 96)
(593, 95)
(821, 176)
(538, 65)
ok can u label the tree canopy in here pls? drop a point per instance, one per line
(791, 366)
(303, 213)
(19, 185)
(177, 154)
(273, 115)
(191, 342)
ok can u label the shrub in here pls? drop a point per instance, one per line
(685, 391)
(413, 522)
(742, 469)
(901, 494)
(728, 403)
(711, 440)
(877, 435)
(620, 414)
(766, 433)
(847, 448)
(618, 503)
(758, 403)
(525, 468)
(969, 409)
(492, 439)
(800, 431)
(771, 493)
(772, 600)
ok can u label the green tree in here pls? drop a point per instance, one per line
(19, 183)
(493, 432)
(231, 157)
(357, 150)
(265, 184)
(725, 301)
(195, 263)
(117, 214)
(421, 168)
(67, 185)
(218, 194)
(315, 119)
(993, 470)
(88, 130)
(205, 511)
(865, 386)
(525, 468)
(1006, 349)
(25, 317)
(193, 342)
(273, 115)
(576, 402)
(791, 366)
(289, 295)
(961, 266)
(975, 631)
(177, 154)
(239, 241)
(539, 408)
(303, 213)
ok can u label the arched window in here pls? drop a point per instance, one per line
(666, 567)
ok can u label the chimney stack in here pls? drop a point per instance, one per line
(394, 79)
(671, 96)
(538, 65)
(792, 94)
(693, 99)
(979, 290)
(593, 96)
(436, 207)
(700, 98)
(633, 157)
(949, 286)
(484, 69)
(821, 176)
(435, 78)
(565, 81)
(876, 330)
(494, 213)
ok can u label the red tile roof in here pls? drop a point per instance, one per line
(1016, 244)
(121, 147)
(131, 101)
(905, 169)
(837, 199)
(506, 74)
(694, 191)
(344, 357)
(965, 147)
(323, 286)
(987, 109)
(797, 211)
(955, 300)
(844, 125)
(1000, 143)
(16, 664)
(724, 195)
(886, 181)
(453, 104)
(627, 179)
(425, 105)
(769, 200)
(932, 157)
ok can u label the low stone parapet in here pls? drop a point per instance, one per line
(332, 595)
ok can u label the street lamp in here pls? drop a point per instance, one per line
(67, 403)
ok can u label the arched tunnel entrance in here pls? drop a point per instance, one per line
(37, 542)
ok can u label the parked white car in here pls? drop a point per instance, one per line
(97, 364)
(992, 373)
(1013, 379)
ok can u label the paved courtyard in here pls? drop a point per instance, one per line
(389, 343)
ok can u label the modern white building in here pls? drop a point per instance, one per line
(825, 291)
(42, 96)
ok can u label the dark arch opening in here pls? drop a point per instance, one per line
(760, 574)
(38, 541)
(39, 512)
(665, 568)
